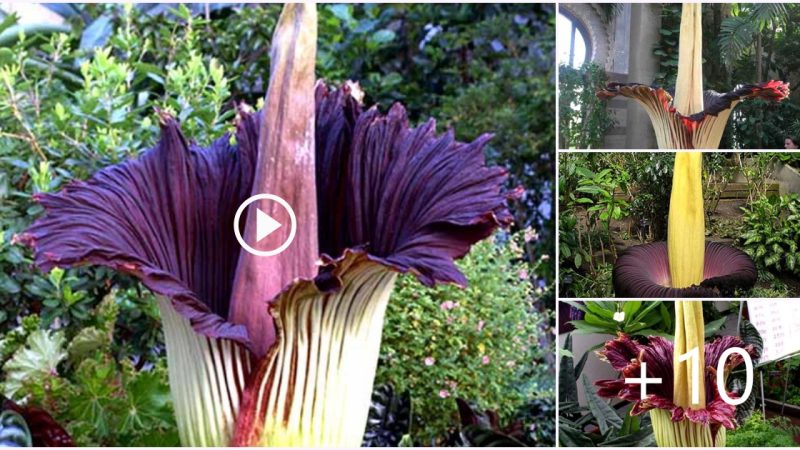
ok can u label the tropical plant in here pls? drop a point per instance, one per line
(691, 119)
(741, 32)
(100, 401)
(677, 268)
(598, 424)
(772, 232)
(629, 317)
(389, 419)
(652, 180)
(589, 203)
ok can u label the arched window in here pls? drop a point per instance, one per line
(574, 47)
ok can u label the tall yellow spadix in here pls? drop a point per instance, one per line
(689, 391)
(689, 335)
(686, 224)
(689, 85)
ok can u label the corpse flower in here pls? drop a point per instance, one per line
(687, 266)
(693, 119)
(282, 350)
(677, 422)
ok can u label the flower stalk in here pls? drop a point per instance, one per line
(689, 83)
(285, 167)
(688, 374)
(686, 234)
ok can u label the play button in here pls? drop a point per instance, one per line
(266, 224)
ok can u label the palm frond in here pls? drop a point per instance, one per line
(735, 36)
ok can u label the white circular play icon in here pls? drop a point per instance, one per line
(265, 225)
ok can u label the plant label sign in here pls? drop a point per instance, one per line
(776, 321)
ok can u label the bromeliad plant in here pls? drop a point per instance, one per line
(686, 265)
(680, 416)
(280, 351)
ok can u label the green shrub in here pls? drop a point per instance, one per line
(100, 401)
(760, 432)
(480, 343)
(772, 233)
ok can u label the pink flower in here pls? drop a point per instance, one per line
(444, 394)
(451, 383)
(485, 359)
(523, 274)
(429, 361)
(448, 305)
(450, 320)
(481, 324)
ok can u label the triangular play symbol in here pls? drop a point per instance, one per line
(265, 225)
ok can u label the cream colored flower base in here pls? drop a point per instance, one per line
(683, 433)
(318, 385)
(206, 378)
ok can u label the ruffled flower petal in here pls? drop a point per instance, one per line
(702, 130)
(643, 272)
(621, 352)
(414, 199)
(163, 217)
(658, 355)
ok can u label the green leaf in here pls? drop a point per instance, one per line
(712, 328)
(86, 342)
(148, 403)
(750, 336)
(567, 390)
(35, 362)
(571, 437)
(343, 12)
(605, 415)
(96, 400)
(630, 308)
(382, 37)
(602, 309)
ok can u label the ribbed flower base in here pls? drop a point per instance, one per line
(683, 433)
(206, 379)
(317, 386)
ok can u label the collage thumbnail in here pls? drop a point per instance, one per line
(337, 225)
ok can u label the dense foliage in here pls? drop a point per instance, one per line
(481, 343)
(86, 343)
(772, 232)
(583, 118)
(760, 432)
